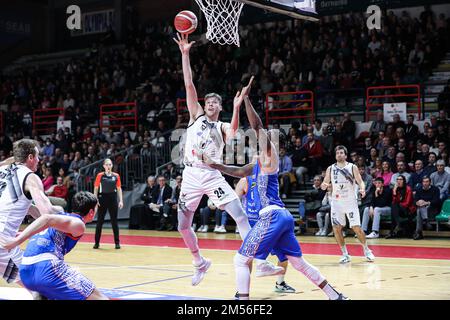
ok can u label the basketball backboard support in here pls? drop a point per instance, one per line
(298, 9)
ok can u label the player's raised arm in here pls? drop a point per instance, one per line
(33, 185)
(232, 127)
(191, 93)
(269, 154)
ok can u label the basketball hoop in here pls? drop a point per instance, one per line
(222, 19)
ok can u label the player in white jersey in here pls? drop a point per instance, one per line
(343, 178)
(19, 186)
(205, 134)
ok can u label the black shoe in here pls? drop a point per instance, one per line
(428, 226)
(117, 246)
(96, 246)
(162, 228)
(418, 236)
(342, 297)
(391, 235)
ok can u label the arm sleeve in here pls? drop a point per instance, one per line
(98, 180)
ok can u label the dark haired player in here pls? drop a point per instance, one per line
(52, 237)
(343, 177)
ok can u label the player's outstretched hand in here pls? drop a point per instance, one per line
(246, 90)
(183, 42)
(240, 95)
(7, 243)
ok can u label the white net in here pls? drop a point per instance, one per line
(222, 19)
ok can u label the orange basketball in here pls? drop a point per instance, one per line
(185, 22)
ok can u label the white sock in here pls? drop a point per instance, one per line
(365, 247)
(242, 269)
(344, 249)
(330, 292)
(280, 278)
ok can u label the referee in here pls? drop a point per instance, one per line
(107, 186)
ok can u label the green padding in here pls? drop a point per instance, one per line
(445, 212)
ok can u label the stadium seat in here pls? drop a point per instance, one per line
(444, 216)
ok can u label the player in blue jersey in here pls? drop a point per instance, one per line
(242, 192)
(274, 229)
(52, 237)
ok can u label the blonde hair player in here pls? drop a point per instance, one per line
(19, 187)
(205, 134)
(343, 177)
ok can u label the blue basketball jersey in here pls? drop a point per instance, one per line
(262, 191)
(52, 241)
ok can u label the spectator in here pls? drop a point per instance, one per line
(315, 154)
(318, 129)
(314, 197)
(285, 174)
(348, 129)
(220, 218)
(415, 180)
(299, 160)
(402, 207)
(65, 163)
(378, 125)
(386, 173)
(47, 180)
(367, 148)
(390, 156)
(77, 162)
(428, 204)
(441, 180)
(326, 140)
(411, 130)
(160, 195)
(431, 166)
(323, 217)
(49, 148)
(365, 202)
(380, 206)
(58, 191)
(401, 171)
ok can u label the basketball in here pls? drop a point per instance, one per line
(185, 22)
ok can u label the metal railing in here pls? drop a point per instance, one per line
(133, 165)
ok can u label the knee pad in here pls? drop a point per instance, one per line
(241, 261)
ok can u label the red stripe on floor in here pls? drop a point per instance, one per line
(307, 248)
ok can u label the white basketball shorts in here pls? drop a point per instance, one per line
(345, 208)
(9, 264)
(197, 182)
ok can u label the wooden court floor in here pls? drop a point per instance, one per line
(156, 265)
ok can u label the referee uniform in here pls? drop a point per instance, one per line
(107, 185)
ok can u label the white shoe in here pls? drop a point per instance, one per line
(216, 228)
(200, 229)
(236, 231)
(200, 271)
(319, 233)
(221, 229)
(193, 227)
(324, 233)
(345, 259)
(373, 235)
(344, 234)
(283, 196)
(369, 256)
(268, 269)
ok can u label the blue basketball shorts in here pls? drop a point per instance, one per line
(272, 233)
(56, 280)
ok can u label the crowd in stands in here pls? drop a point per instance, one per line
(406, 169)
(335, 54)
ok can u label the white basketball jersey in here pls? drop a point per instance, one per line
(14, 204)
(343, 182)
(205, 136)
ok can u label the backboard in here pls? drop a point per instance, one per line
(298, 9)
